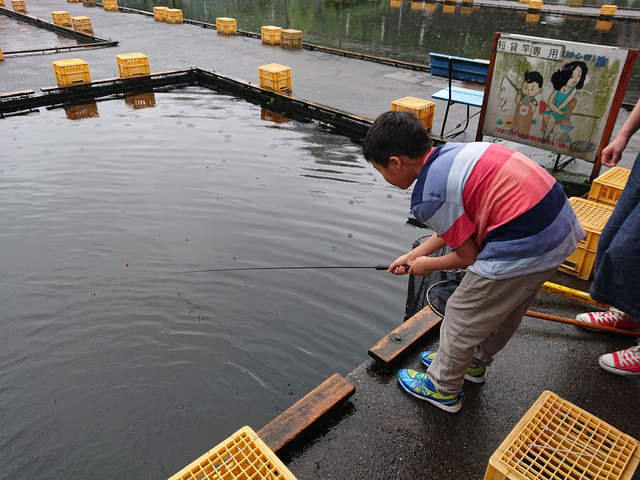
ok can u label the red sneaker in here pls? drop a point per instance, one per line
(612, 318)
(624, 362)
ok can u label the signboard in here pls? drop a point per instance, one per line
(555, 95)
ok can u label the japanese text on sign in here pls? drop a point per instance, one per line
(531, 49)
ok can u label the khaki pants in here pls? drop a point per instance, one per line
(480, 318)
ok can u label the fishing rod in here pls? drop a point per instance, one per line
(248, 269)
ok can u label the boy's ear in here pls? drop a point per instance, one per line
(396, 162)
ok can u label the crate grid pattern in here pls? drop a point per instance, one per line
(535, 4)
(275, 77)
(71, 71)
(271, 34)
(242, 456)
(131, 64)
(563, 441)
(19, 6)
(82, 24)
(61, 18)
(174, 15)
(110, 5)
(593, 217)
(608, 10)
(160, 14)
(424, 109)
(226, 25)
(607, 187)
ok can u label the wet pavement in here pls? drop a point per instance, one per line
(382, 433)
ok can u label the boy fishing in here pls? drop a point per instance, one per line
(507, 221)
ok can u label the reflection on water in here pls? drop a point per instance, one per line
(113, 365)
(408, 31)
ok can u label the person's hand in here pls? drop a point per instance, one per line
(613, 152)
(397, 267)
(420, 267)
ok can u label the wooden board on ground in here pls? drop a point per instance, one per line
(304, 413)
(391, 347)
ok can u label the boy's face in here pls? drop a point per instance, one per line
(395, 173)
(531, 89)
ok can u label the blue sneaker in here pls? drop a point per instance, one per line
(473, 374)
(419, 385)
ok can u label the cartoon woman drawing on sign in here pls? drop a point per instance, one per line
(566, 82)
(526, 102)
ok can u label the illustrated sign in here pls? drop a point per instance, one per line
(553, 94)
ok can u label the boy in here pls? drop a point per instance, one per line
(505, 218)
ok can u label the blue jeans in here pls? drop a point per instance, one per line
(617, 281)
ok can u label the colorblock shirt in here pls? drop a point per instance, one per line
(516, 213)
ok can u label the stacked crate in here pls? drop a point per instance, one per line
(271, 34)
(275, 77)
(82, 24)
(423, 109)
(61, 18)
(71, 71)
(160, 14)
(19, 6)
(110, 5)
(290, 38)
(132, 64)
(226, 26)
(174, 15)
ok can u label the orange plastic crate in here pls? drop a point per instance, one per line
(61, 18)
(132, 64)
(71, 71)
(75, 111)
(82, 24)
(607, 187)
(271, 34)
(593, 217)
(290, 38)
(174, 15)
(608, 10)
(19, 6)
(160, 14)
(424, 109)
(110, 5)
(242, 456)
(275, 77)
(558, 440)
(226, 26)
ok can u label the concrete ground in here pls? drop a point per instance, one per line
(382, 433)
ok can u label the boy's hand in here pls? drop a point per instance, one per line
(420, 267)
(398, 266)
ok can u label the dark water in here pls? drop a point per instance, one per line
(109, 371)
(410, 30)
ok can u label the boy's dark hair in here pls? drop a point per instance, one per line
(531, 77)
(562, 76)
(393, 134)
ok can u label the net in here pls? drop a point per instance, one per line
(433, 289)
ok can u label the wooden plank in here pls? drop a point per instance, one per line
(304, 413)
(17, 94)
(395, 344)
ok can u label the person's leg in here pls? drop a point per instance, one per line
(616, 281)
(480, 310)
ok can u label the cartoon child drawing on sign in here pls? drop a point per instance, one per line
(527, 103)
(566, 82)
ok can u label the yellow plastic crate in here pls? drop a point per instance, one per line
(271, 34)
(417, 5)
(89, 3)
(532, 18)
(575, 3)
(61, 18)
(395, 3)
(275, 77)
(593, 217)
(607, 187)
(429, 7)
(2, 3)
(71, 71)
(73, 1)
(140, 100)
(558, 440)
(424, 109)
(1, 56)
(449, 8)
(82, 24)
(608, 10)
(81, 111)
(174, 15)
(110, 5)
(603, 25)
(226, 26)
(19, 6)
(290, 38)
(132, 64)
(160, 14)
(535, 4)
(242, 456)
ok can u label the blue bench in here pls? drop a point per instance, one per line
(459, 68)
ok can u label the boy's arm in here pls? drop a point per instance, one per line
(461, 257)
(433, 244)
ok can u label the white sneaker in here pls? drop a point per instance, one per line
(613, 318)
(624, 362)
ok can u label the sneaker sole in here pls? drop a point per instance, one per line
(616, 371)
(446, 408)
